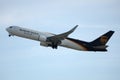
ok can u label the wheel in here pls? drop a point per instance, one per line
(9, 35)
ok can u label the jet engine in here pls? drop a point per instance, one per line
(44, 44)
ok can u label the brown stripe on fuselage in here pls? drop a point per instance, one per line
(78, 42)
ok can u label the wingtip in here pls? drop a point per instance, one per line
(76, 25)
(111, 31)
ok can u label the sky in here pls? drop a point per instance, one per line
(24, 59)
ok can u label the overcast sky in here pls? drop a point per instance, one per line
(24, 59)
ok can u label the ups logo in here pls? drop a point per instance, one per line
(103, 39)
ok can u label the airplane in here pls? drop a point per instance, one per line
(54, 40)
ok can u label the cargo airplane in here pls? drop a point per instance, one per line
(54, 40)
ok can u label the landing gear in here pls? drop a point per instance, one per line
(9, 35)
(54, 46)
(54, 42)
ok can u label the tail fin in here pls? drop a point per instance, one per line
(102, 40)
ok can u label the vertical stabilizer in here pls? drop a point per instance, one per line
(102, 40)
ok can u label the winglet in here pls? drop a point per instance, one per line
(72, 29)
(64, 35)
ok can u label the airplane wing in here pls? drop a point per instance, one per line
(56, 40)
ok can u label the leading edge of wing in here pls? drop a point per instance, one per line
(64, 35)
(56, 40)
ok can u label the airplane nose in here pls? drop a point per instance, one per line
(6, 29)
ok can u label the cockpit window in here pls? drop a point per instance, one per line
(10, 26)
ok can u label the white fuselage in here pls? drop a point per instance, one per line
(41, 36)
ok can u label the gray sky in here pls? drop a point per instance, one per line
(23, 59)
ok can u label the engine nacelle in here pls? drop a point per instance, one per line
(42, 38)
(44, 44)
